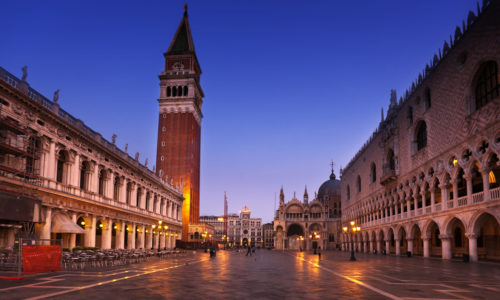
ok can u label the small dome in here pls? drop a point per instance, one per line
(329, 188)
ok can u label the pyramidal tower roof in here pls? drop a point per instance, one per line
(182, 43)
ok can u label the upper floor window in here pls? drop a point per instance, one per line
(102, 177)
(391, 163)
(359, 184)
(348, 193)
(487, 86)
(427, 99)
(409, 116)
(421, 135)
(61, 159)
(373, 173)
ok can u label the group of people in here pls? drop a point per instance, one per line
(250, 250)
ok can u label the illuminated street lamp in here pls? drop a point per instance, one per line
(352, 229)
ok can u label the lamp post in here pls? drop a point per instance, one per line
(352, 229)
(159, 233)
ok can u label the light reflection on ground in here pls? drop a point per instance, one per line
(269, 275)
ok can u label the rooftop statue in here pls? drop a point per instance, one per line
(25, 73)
(56, 96)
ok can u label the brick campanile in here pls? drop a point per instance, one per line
(179, 126)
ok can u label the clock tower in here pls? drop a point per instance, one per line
(179, 126)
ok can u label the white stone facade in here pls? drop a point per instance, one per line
(79, 176)
(427, 181)
(243, 230)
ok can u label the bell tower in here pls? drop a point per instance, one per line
(179, 126)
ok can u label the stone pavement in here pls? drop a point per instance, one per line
(269, 275)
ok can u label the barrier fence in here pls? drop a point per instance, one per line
(31, 256)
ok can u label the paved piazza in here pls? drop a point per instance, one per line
(269, 275)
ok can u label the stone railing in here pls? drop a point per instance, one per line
(478, 197)
(495, 194)
(95, 197)
(462, 201)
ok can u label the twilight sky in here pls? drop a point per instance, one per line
(289, 85)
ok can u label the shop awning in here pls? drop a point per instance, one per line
(63, 224)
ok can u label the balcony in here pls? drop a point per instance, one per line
(494, 195)
(388, 175)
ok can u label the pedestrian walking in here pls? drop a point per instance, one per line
(253, 249)
(249, 251)
(319, 253)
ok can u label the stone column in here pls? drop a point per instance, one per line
(433, 199)
(446, 246)
(122, 190)
(110, 185)
(142, 203)
(371, 246)
(427, 247)
(107, 232)
(121, 236)
(486, 184)
(162, 240)
(398, 247)
(47, 225)
(379, 246)
(387, 247)
(422, 194)
(133, 196)
(74, 171)
(468, 180)
(90, 235)
(147, 237)
(472, 247)
(131, 237)
(409, 242)
(51, 168)
(72, 236)
(365, 246)
(94, 178)
(455, 192)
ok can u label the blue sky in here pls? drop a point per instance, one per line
(289, 85)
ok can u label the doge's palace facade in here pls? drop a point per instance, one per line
(427, 180)
(60, 179)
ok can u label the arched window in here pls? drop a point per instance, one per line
(348, 193)
(185, 90)
(84, 172)
(427, 101)
(102, 177)
(391, 163)
(138, 199)
(116, 188)
(61, 159)
(409, 116)
(373, 173)
(421, 135)
(169, 91)
(487, 86)
(174, 91)
(179, 90)
(359, 184)
(129, 193)
(147, 200)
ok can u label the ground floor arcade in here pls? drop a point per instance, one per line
(474, 233)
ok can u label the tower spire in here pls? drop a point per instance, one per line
(282, 197)
(306, 196)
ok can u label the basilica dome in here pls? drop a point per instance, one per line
(329, 189)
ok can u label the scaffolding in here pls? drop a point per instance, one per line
(20, 152)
